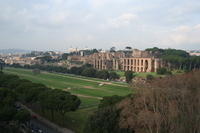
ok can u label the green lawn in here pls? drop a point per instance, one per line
(87, 89)
(141, 74)
(120, 73)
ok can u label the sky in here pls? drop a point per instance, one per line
(63, 24)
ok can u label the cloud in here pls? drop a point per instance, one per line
(121, 21)
(100, 23)
(58, 18)
(40, 7)
(183, 35)
(98, 3)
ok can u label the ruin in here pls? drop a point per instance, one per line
(139, 61)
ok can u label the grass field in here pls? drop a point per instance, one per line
(141, 74)
(89, 90)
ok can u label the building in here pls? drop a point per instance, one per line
(138, 64)
(138, 61)
(107, 60)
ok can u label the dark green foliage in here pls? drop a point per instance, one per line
(76, 70)
(12, 128)
(64, 56)
(112, 49)
(89, 72)
(103, 74)
(85, 70)
(7, 101)
(103, 121)
(85, 52)
(150, 77)
(163, 71)
(46, 58)
(110, 101)
(167, 52)
(106, 118)
(129, 76)
(2, 63)
(22, 116)
(10, 118)
(113, 76)
(59, 101)
(128, 47)
(89, 52)
(33, 93)
(178, 59)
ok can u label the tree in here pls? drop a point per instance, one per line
(103, 74)
(89, 72)
(7, 109)
(46, 58)
(106, 118)
(2, 63)
(76, 70)
(58, 101)
(113, 76)
(128, 47)
(150, 77)
(103, 121)
(110, 101)
(129, 76)
(48, 102)
(67, 102)
(22, 116)
(163, 71)
(166, 105)
(65, 56)
(112, 49)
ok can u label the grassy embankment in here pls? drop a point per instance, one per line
(87, 89)
(154, 74)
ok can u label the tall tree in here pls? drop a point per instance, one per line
(2, 63)
(129, 76)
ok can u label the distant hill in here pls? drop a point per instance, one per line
(13, 51)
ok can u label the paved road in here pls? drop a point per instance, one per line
(36, 124)
(46, 124)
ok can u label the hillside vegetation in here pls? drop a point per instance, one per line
(89, 90)
(166, 105)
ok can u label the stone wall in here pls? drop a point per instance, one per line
(139, 61)
(137, 64)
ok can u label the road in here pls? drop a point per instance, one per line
(38, 125)
(46, 125)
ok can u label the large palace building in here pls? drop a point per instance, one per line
(136, 60)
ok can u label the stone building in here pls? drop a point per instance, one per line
(107, 60)
(142, 61)
(139, 61)
(138, 64)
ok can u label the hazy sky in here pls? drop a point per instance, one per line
(61, 24)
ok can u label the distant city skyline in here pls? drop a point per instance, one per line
(61, 24)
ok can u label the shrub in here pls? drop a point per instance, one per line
(162, 71)
(149, 77)
(129, 76)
